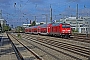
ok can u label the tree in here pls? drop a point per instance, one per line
(6, 28)
(19, 29)
(33, 23)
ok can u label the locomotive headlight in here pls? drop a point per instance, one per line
(62, 32)
(68, 30)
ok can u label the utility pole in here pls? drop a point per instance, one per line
(20, 14)
(50, 13)
(15, 11)
(27, 22)
(35, 18)
(46, 19)
(0, 14)
(77, 17)
(1, 39)
(77, 12)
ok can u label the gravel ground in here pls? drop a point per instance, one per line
(49, 54)
(23, 51)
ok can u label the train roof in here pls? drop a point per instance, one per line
(56, 24)
(44, 25)
(34, 26)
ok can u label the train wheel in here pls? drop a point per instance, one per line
(69, 36)
(60, 36)
(66, 36)
(63, 36)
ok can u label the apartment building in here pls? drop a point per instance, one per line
(82, 24)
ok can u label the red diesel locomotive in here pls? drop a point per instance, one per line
(61, 29)
(57, 29)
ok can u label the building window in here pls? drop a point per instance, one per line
(80, 23)
(79, 20)
(73, 26)
(73, 23)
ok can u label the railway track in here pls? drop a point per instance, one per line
(74, 49)
(19, 46)
(81, 37)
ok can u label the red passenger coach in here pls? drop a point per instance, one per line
(38, 29)
(28, 30)
(34, 30)
(45, 29)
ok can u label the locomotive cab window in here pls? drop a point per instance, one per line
(65, 26)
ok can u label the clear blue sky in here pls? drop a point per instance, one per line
(24, 10)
